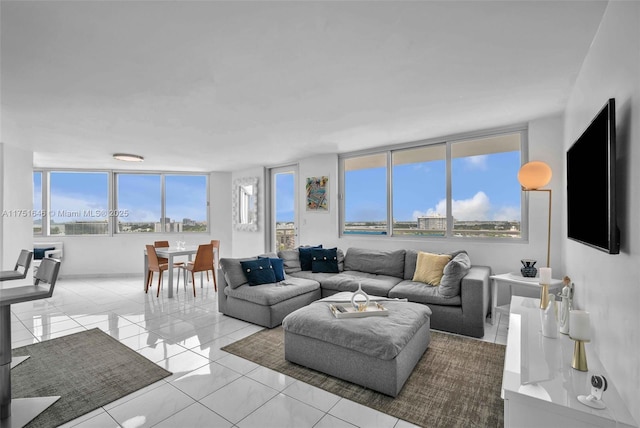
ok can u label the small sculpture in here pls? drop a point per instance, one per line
(565, 306)
(528, 269)
(360, 306)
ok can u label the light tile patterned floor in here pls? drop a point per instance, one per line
(209, 387)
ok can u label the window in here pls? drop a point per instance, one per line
(419, 191)
(485, 192)
(140, 207)
(453, 189)
(365, 189)
(186, 203)
(86, 203)
(79, 203)
(139, 203)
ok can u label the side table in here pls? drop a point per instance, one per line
(513, 279)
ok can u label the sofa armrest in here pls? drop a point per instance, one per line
(222, 297)
(475, 296)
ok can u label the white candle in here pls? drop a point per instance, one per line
(579, 325)
(545, 275)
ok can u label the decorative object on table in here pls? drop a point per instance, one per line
(360, 306)
(528, 269)
(545, 280)
(598, 386)
(548, 318)
(580, 332)
(373, 309)
(565, 306)
(317, 193)
(532, 176)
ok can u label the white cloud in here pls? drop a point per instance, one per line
(476, 162)
(478, 207)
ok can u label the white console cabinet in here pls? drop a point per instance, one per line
(539, 386)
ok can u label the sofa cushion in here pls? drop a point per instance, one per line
(306, 256)
(381, 262)
(278, 267)
(430, 267)
(418, 292)
(258, 271)
(411, 258)
(233, 272)
(377, 285)
(454, 271)
(291, 259)
(324, 260)
(271, 294)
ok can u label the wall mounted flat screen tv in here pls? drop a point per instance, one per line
(591, 184)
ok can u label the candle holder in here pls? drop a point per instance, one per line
(544, 296)
(579, 361)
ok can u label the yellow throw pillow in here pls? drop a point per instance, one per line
(430, 267)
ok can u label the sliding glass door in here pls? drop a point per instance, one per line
(284, 207)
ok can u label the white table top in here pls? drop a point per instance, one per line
(539, 368)
(516, 277)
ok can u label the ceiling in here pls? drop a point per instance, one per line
(224, 86)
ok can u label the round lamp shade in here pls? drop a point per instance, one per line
(534, 175)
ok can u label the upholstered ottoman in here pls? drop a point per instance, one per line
(376, 352)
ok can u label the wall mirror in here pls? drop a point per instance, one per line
(245, 204)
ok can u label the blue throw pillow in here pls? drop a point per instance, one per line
(324, 260)
(258, 271)
(39, 253)
(305, 256)
(278, 267)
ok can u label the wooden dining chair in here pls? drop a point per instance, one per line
(162, 244)
(202, 263)
(154, 266)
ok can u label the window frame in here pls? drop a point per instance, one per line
(448, 141)
(112, 229)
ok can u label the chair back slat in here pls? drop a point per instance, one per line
(204, 258)
(24, 260)
(152, 258)
(161, 244)
(48, 272)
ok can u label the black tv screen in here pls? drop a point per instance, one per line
(591, 184)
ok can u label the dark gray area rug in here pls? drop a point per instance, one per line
(87, 369)
(456, 383)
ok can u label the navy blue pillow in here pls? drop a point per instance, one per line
(305, 256)
(324, 260)
(39, 253)
(278, 267)
(258, 271)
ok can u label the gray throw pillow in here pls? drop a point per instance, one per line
(233, 272)
(454, 271)
(291, 260)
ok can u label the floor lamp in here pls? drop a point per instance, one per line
(532, 176)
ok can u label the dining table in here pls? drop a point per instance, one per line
(170, 253)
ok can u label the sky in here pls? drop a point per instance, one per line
(83, 196)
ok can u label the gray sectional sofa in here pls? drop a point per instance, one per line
(459, 304)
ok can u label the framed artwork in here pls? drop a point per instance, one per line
(317, 193)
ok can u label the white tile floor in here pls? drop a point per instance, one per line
(209, 387)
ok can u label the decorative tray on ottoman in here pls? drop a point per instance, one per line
(348, 311)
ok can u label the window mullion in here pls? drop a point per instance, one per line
(449, 213)
(389, 195)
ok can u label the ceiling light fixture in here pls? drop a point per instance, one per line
(127, 157)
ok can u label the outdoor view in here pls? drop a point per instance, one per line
(485, 194)
(79, 203)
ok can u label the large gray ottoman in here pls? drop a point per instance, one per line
(376, 352)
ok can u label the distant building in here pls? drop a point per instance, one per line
(432, 222)
(86, 228)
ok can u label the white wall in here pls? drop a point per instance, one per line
(608, 285)
(16, 193)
